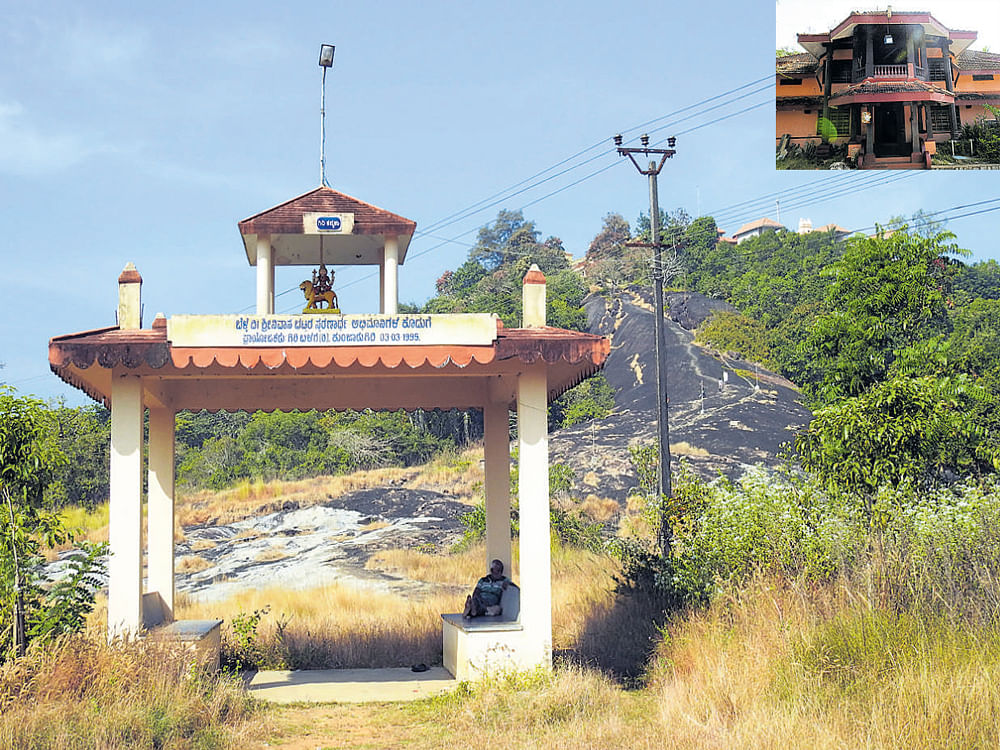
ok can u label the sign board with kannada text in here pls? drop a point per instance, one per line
(470, 329)
(323, 222)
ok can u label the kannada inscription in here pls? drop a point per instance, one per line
(330, 330)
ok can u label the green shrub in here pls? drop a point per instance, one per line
(935, 550)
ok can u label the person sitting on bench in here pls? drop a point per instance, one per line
(485, 598)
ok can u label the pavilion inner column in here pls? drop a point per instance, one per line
(496, 440)
(390, 276)
(914, 129)
(265, 275)
(125, 521)
(160, 512)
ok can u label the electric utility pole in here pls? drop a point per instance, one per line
(662, 402)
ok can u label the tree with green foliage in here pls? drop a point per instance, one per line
(888, 291)
(490, 280)
(83, 435)
(610, 240)
(906, 430)
(29, 458)
(594, 398)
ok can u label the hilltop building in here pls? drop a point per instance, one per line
(759, 226)
(756, 228)
(890, 85)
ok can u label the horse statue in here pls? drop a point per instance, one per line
(316, 299)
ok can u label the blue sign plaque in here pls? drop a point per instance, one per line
(328, 223)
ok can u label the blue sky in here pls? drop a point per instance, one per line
(144, 133)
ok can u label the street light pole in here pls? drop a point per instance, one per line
(662, 398)
(326, 52)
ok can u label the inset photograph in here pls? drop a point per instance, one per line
(887, 89)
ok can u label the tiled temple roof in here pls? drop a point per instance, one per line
(797, 64)
(972, 59)
(876, 87)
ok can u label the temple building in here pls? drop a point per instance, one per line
(891, 85)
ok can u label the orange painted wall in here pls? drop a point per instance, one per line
(808, 87)
(969, 116)
(796, 123)
(965, 83)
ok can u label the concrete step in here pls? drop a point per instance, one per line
(894, 162)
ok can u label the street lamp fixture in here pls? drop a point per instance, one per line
(326, 55)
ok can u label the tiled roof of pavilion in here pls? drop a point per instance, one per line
(287, 216)
(149, 351)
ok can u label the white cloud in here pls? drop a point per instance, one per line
(27, 150)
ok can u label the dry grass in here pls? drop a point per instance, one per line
(457, 474)
(374, 526)
(340, 626)
(461, 569)
(272, 554)
(599, 508)
(776, 666)
(82, 693)
(192, 564)
(203, 544)
(333, 627)
(781, 666)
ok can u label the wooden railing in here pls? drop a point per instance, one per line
(890, 71)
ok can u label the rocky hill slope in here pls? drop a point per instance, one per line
(725, 412)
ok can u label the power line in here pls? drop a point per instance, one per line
(415, 255)
(507, 195)
(635, 128)
(832, 187)
(464, 213)
(826, 194)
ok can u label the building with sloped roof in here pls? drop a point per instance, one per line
(755, 228)
(890, 85)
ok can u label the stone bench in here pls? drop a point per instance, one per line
(202, 638)
(476, 645)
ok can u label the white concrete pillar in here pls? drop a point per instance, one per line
(496, 441)
(125, 522)
(265, 275)
(390, 276)
(533, 298)
(533, 492)
(381, 286)
(129, 298)
(160, 510)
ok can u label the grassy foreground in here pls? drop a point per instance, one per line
(777, 665)
(899, 647)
